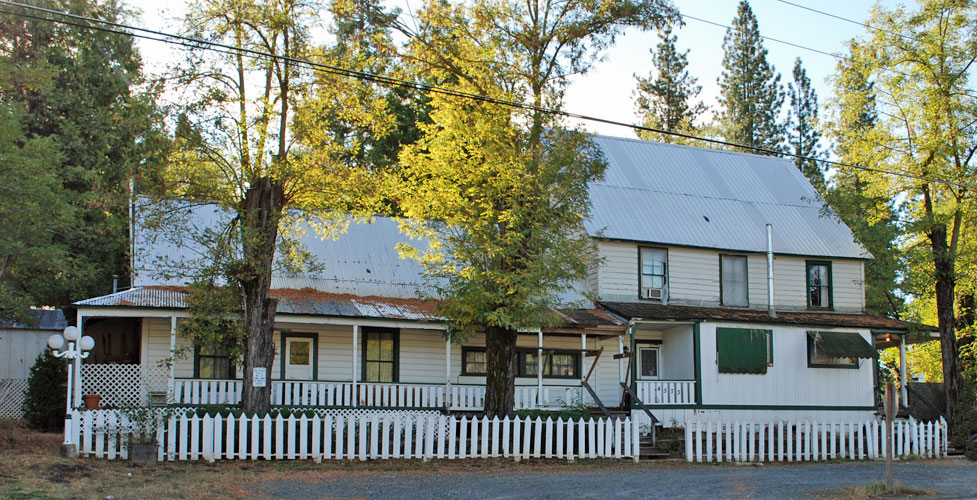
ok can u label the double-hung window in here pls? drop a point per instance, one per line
(819, 285)
(733, 282)
(654, 277)
(213, 361)
(380, 346)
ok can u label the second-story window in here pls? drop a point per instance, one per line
(653, 265)
(819, 284)
(733, 280)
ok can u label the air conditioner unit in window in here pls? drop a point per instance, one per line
(653, 293)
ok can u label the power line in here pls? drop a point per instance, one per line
(845, 19)
(196, 43)
(966, 91)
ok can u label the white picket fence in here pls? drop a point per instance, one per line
(105, 434)
(811, 441)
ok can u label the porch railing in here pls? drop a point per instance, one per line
(368, 394)
(666, 392)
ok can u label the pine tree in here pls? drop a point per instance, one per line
(803, 137)
(750, 92)
(664, 99)
(44, 398)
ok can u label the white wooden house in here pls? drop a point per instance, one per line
(682, 283)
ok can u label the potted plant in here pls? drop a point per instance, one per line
(91, 401)
(144, 423)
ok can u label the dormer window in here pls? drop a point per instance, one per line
(654, 277)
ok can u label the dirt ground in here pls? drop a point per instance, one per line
(30, 468)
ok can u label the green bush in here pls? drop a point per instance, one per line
(44, 401)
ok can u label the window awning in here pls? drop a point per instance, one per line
(842, 345)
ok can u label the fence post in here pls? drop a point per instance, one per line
(688, 441)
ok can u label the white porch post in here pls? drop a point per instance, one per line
(620, 362)
(356, 336)
(583, 364)
(903, 380)
(539, 369)
(447, 370)
(171, 385)
(76, 365)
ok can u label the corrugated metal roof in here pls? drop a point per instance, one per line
(311, 302)
(45, 319)
(291, 301)
(363, 260)
(681, 195)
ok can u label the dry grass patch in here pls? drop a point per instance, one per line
(877, 490)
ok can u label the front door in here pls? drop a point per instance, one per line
(298, 358)
(648, 365)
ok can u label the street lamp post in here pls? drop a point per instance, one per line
(74, 351)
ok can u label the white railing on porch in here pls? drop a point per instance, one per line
(811, 441)
(386, 395)
(105, 434)
(666, 392)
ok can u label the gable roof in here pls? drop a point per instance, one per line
(707, 198)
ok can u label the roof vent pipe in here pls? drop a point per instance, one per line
(770, 307)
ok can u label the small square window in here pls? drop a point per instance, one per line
(472, 361)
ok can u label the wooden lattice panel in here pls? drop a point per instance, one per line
(119, 385)
(12, 397)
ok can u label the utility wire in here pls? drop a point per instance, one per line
(966, 91)
(196, 43)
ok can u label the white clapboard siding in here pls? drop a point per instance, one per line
(707, 441)
(366, 436)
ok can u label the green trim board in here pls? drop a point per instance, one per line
(697, 348)
(762, 407)
(314, 354)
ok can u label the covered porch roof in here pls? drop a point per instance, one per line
(649, 311)
(311, 303)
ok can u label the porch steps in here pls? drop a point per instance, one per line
(666, 448)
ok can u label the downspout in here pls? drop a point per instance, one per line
(770, 305)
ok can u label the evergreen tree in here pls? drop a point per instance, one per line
(803, 137)
(44, 398)
(868, 211)
(81, 93)
(665, 98)
(750, 92)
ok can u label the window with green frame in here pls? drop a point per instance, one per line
(380, 355)
(819, 284)
(556, 364)
(744, 350)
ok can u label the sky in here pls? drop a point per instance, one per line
(607, 91)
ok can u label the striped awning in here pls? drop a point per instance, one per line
(842, 345)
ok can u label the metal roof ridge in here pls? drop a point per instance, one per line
(691, 195)
(695, 148)
(114, 294)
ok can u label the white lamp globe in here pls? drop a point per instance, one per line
(55, 341)
(71, 334)
(87, 343)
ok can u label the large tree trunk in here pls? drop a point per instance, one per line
(943, 261)
(500, 371)
(260, 212)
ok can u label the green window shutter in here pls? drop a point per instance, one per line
(742, 350)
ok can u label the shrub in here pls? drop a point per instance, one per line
(44, 402)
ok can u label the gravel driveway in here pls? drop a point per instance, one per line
(948, 479)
